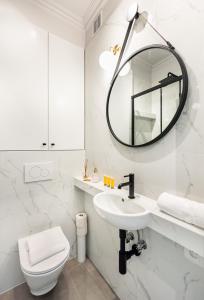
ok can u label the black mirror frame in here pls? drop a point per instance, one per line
(182, 101)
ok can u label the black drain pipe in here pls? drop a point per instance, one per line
(122, 252)
(125, 255)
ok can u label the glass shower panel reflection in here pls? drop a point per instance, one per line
(144, 120)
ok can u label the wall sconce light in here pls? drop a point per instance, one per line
(108, 61)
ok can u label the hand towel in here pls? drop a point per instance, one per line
(197, 210)
(182, 208)
(45, 244)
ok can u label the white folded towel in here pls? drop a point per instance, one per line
(182, 208)
(45, 244)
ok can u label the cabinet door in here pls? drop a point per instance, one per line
(23, 82)
(66, 95)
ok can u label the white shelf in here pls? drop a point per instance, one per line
(184, 234)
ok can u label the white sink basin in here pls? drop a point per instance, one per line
(118, 210)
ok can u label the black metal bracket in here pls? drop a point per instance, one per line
(127, 35)
(129, 29)
(163, 83)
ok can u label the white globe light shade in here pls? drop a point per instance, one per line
(107, 60)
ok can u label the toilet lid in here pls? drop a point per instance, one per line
(45, 266)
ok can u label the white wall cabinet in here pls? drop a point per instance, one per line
(41, 88)
(23, 84)
(66, 95)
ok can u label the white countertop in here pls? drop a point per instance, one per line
(187, 235)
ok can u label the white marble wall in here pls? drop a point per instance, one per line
(161, 272)
(32, 207)
(174, 164)
(28, 208)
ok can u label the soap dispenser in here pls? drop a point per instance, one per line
(95, 177)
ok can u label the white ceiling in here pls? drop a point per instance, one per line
(79, 12)
(77, 7)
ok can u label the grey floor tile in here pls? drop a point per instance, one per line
(77, 282)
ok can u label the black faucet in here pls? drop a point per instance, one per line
(131, 184)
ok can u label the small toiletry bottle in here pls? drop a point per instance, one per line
(105, 180)
(108, 181)
(95, 178)
(112, 183)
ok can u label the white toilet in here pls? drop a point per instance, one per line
(43, 276)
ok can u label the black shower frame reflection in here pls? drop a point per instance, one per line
(170, 79)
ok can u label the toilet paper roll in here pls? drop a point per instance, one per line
(81, 224)
(81, 231)
(81, 249)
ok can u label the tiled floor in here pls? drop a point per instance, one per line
(78, 282)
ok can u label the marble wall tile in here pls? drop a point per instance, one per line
(159, 167)
(161, 272)
(32, 207)
(174, 164)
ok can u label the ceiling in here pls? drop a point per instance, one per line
(152, 56)
(77, 7)
(79, 12)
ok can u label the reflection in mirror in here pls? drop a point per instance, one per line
(143, 103)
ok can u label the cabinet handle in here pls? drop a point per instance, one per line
(52, 144)
(44, 144)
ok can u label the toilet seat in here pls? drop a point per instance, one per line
(46, 266)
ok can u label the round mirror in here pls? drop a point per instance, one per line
(146, 103)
